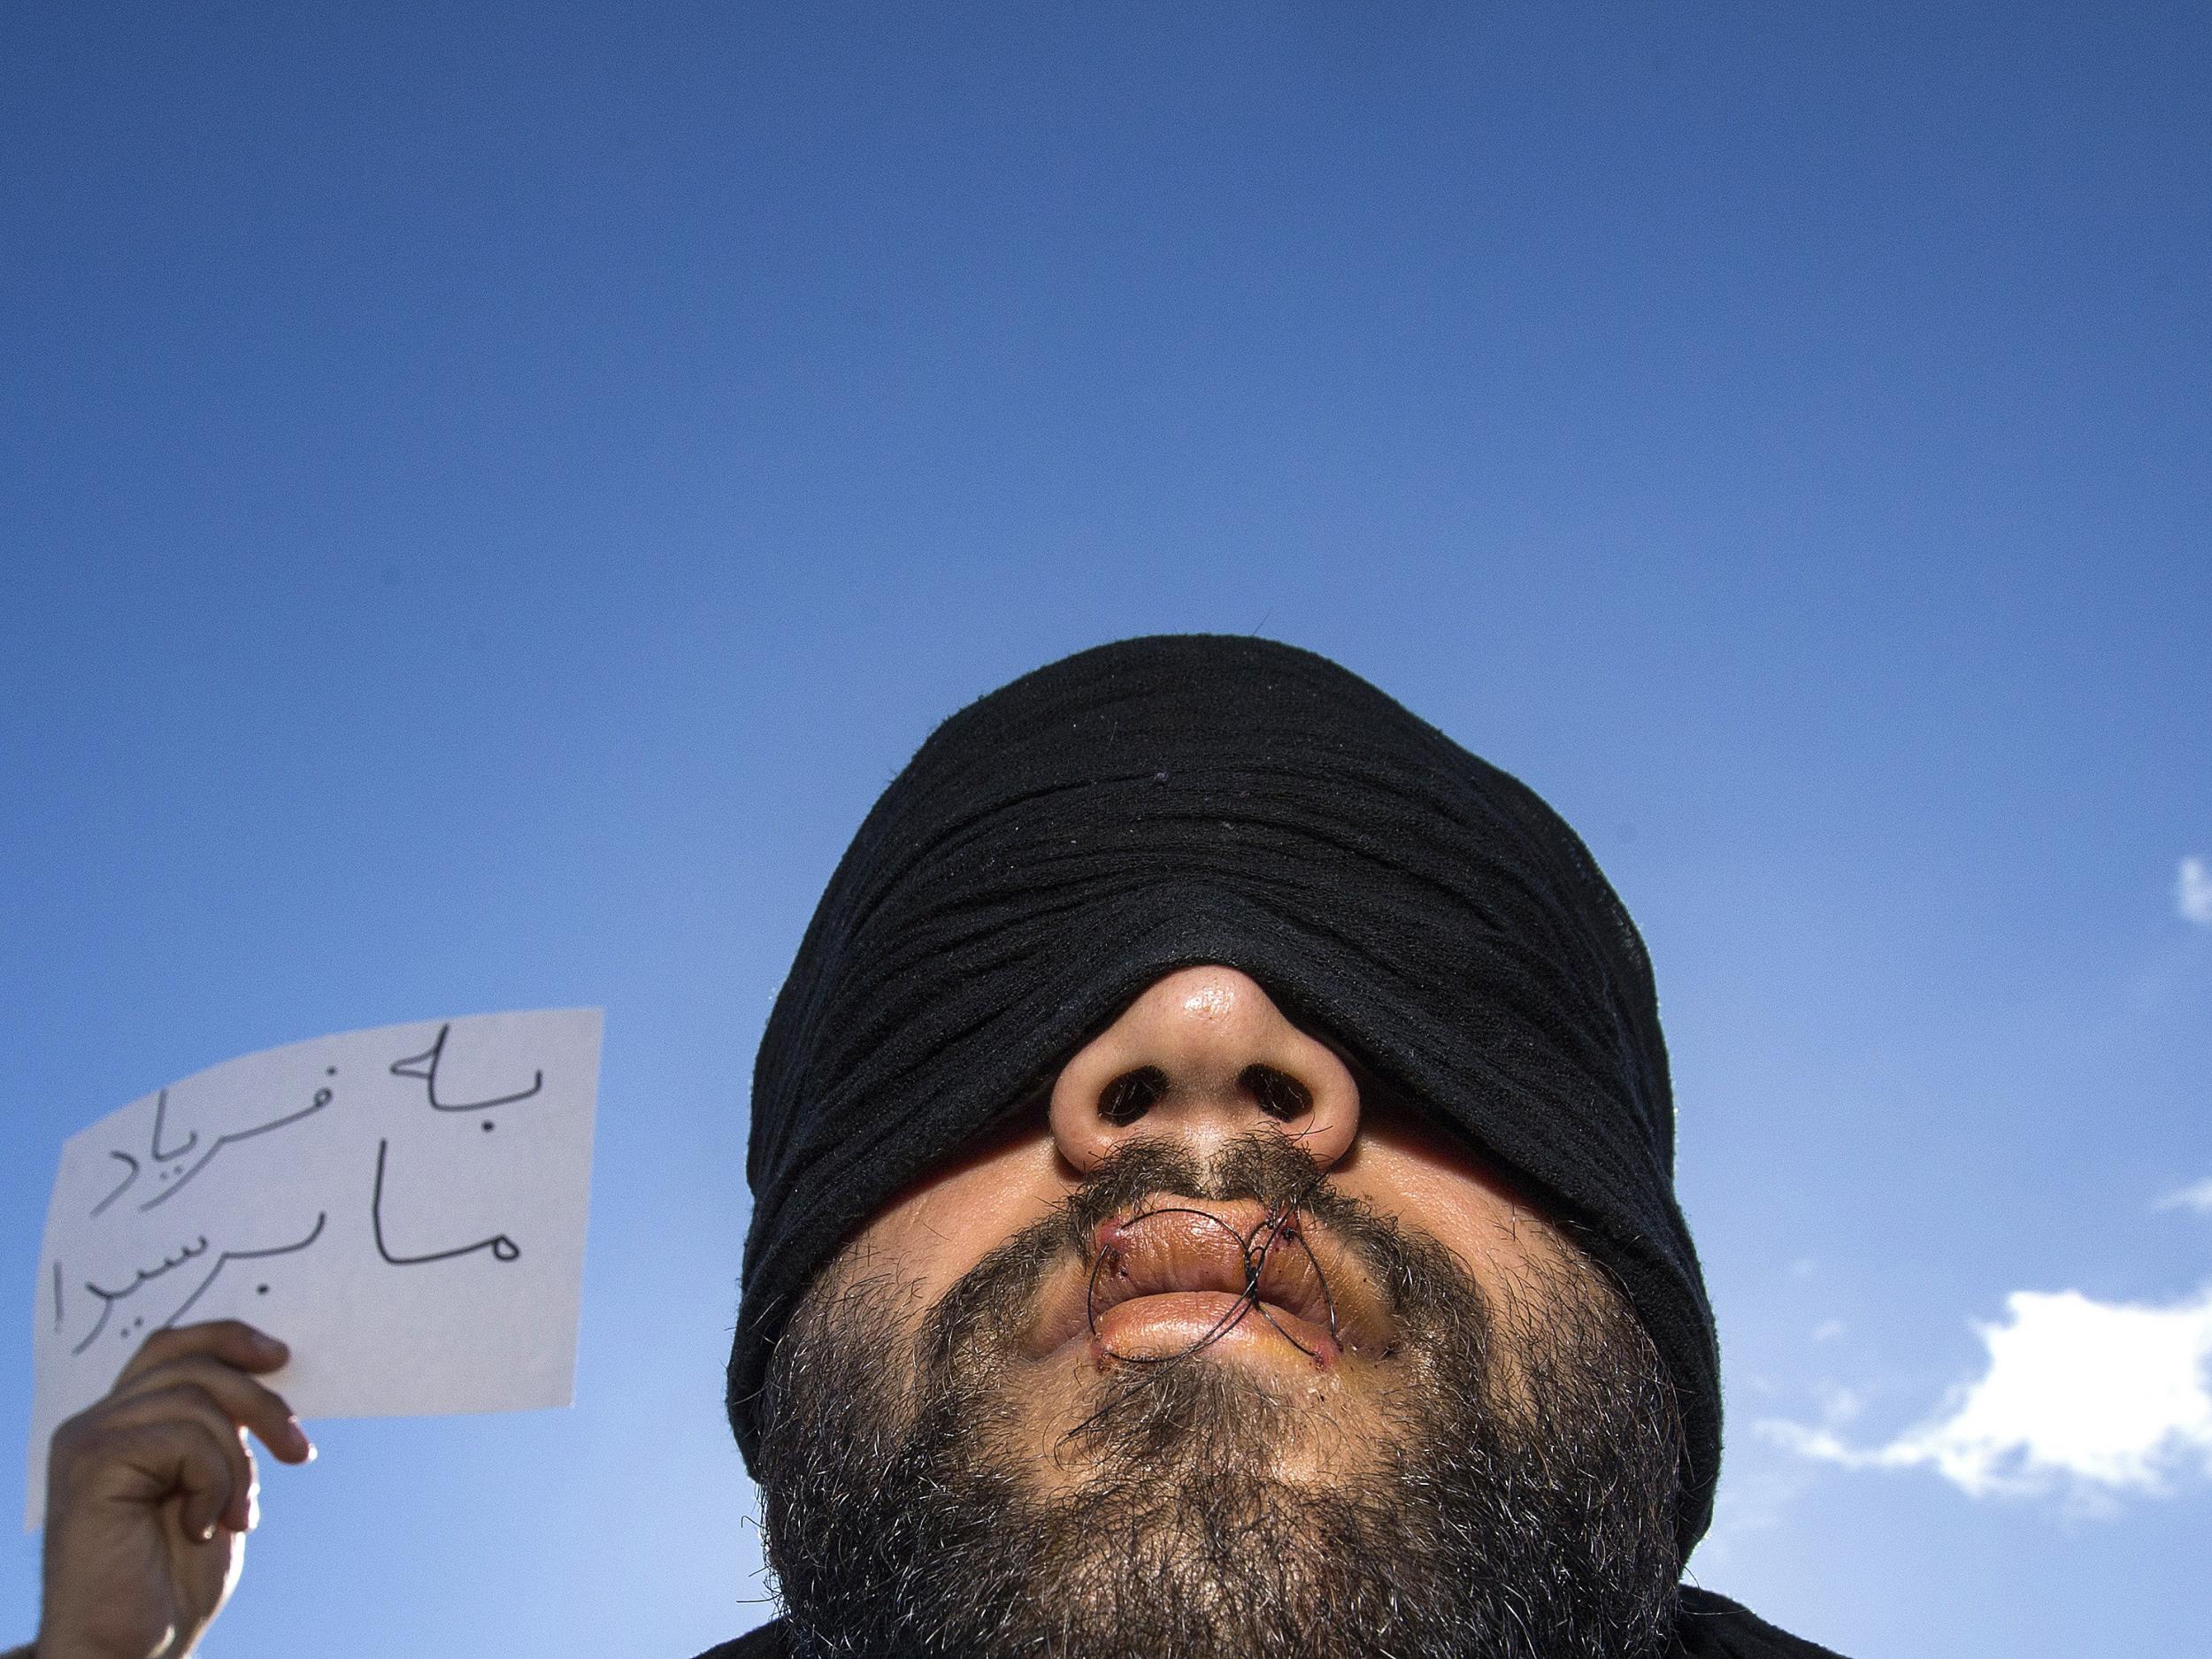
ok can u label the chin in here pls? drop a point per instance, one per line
(964, 1494)
(1209, 1414)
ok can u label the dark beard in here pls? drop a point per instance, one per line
(1520, 1504)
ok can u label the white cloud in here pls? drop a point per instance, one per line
(2197, 1197)
(2192, 892)
(2099, 1398)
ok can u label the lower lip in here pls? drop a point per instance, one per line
(1174, 1322)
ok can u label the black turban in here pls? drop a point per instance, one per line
(1060, 844)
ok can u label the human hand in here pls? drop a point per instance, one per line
(150, 1491)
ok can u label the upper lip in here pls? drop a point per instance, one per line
(1167, 1243)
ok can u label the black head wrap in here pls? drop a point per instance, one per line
(1060, 844)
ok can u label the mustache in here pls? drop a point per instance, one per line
(985, 1312)
(1266, 1168)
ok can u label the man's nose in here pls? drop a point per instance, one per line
(1203, 1056)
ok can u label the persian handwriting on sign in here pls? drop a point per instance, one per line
(179, 1177)
(425, 1065)
(198, 1247)
(503, 1248)
(351, 1195)
(176, 1174)
(173, 1175)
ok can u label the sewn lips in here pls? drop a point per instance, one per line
(1176, 1274)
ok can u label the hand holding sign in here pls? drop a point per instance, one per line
(151, 1490)
(404, 1207)
(356, 1192)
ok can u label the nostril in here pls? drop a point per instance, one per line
(1132, 1095)
(1279, 1093)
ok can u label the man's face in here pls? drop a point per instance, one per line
(1218, 1351)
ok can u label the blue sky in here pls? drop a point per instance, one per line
(491, 493)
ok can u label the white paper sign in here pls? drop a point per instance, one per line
(406, 1207)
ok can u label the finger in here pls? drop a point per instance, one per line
(249, 1403)
(233, 1341)
(103, 1445)
(149, 1462)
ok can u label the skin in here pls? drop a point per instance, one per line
(152, 1489)
(1200, 1030)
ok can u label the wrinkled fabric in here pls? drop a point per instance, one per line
(1060, 844)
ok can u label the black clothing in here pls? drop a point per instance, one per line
(1713, 1627)
(1059, 845)
(1710, 1627)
